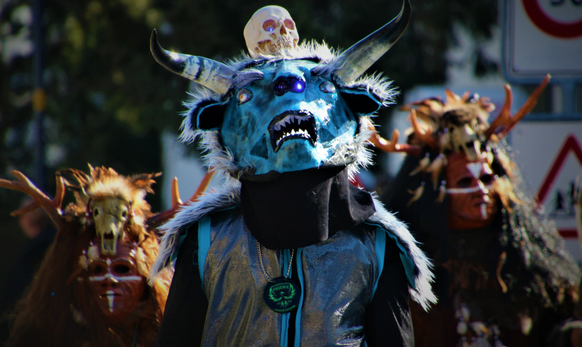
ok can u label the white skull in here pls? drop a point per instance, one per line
(269, 30)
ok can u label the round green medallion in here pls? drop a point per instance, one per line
(282, 295)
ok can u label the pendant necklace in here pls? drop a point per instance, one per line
(281, 294)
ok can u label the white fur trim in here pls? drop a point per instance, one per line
(423, 293)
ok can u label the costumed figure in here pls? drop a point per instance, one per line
(287, 252)
(502, 274)
(92, 289)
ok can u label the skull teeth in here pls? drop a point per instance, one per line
(292, 125)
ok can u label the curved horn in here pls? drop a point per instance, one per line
(358, 58)
(206, 72)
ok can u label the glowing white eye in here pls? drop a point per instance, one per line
(244, 95)
(327, 87)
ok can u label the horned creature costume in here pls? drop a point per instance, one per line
(287, 251)
(502, 274)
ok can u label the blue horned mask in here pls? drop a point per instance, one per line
(305, 108)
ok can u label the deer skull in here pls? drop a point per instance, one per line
(269, 30)
(110, 216)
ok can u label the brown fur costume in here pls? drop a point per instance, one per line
(508, 281)
(59, 309)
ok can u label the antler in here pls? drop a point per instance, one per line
(392, 145)
(504, 119)
(162, 217)
(504, 115)
(52, 207)
(425, 137)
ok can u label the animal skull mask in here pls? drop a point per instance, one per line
(269, 30)
(110, 216)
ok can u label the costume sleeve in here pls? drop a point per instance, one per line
(388, 319)
(186, 306)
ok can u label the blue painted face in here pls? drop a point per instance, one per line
(288, 121)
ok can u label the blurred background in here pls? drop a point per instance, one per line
(79, 86)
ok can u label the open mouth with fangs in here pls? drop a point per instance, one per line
(292, 125)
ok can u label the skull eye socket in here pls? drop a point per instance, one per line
(95, 212)
(243, 96)
(269, 26)
(124, 214)
(327, 87)
(289, 24)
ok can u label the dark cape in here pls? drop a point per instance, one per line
(388, 313)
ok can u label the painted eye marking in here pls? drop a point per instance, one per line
(244, 95)
(327, 87)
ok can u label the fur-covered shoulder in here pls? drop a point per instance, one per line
(422, 293)
(224, 197)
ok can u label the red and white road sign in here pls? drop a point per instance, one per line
(549, 155)
(557, 18)
(558, 194)
(542, 36)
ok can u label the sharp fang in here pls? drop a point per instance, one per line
(484, 211)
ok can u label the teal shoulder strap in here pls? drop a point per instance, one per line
(203, 245)
(407, 262)
(380, 246)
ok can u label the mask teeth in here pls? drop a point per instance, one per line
(290, 126)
